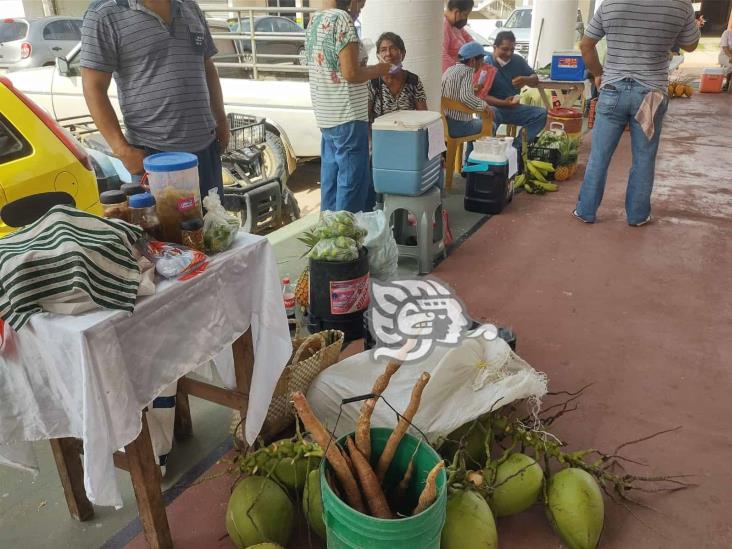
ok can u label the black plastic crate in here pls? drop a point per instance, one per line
(246, 131)
(545, 154)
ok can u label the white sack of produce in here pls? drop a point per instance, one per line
(467, 381)
(383, 251)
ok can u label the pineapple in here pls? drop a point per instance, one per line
(302, 289)
(563, 173)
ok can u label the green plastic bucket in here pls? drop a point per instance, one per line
(349, 529)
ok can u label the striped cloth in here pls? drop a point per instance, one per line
(640, 34)
(457, 84)
(159, 70)
(68, 256)
(335, 100)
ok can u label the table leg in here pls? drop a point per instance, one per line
(545, 99)
(70, 470)
(183, 427)
(146, 481)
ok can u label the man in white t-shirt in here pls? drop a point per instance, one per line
(725, 56)
(339, 91)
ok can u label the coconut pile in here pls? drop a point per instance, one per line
(498, 465)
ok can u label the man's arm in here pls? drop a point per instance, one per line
(352, 70)
(727, 51)
(688, 39)
(216, 98)
(95, 85)
(592, 59)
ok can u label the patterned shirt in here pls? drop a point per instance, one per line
(159, 70)
(335, 100)
(457, 84)
(383, 102)
(640, 35)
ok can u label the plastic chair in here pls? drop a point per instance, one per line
(427, 210)
(454, 160)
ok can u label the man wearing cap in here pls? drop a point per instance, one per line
(457, 84)
(159, 52)
(512, 74)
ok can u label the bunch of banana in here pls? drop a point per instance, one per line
(534, 180)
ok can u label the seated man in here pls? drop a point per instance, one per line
(457, 84)
(513, 73)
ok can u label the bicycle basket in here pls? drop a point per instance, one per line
(246, 131)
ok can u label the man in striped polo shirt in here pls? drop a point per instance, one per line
(633, 86)
(340, 96)
(159, 52)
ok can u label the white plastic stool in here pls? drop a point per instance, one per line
(427, 209)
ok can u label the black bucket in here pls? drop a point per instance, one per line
(339, 295)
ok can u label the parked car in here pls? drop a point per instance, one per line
(26, 43)
(41, 164)
(519, 22)
(270, 27)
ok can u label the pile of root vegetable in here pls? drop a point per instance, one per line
(498, 465)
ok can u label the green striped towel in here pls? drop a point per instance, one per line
(68, 256)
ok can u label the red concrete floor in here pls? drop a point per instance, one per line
(645, 314)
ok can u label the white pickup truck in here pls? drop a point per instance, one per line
(292, 132)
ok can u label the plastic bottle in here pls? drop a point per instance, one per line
(288, 296)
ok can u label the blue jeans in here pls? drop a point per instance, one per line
(459, 128)
(617, 106)
(531, 118)
(345, 171)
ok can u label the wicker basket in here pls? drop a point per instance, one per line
(312, 355)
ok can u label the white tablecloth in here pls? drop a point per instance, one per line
(90, 376)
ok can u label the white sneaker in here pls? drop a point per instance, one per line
(577, 216)
(646, 221)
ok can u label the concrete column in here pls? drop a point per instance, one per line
(556, 33)
(419, 23)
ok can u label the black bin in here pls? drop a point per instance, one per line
(488, 192)
(339, 295)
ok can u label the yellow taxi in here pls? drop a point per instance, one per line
(41, 164)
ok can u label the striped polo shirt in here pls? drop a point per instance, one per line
(159, 70)
(640, 34)
(457, 84)
(335, 100)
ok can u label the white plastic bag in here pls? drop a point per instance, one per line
(219, 226)
(466, 382)
(383, 251)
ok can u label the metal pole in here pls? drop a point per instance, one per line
(253, 41)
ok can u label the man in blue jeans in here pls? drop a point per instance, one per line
(633, 86)
(513, 73)
(340, 96)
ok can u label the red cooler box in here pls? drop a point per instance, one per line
(711, 80)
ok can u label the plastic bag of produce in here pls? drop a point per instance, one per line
(173, 260)
(219, 227)
(383, 251)
(340, 249)
(336, 224)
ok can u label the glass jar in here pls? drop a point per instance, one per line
(143, 214)
(192, 234)
(115, 205)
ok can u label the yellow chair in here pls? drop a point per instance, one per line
(454, 160)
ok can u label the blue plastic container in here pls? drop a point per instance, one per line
(568, 66)
(400, 153)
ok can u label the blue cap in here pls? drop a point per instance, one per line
(471, 50)
(143, 200)
(170, 162)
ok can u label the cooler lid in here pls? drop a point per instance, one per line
(562, 112)
(406, 121)
(717, 71)
(566, 53)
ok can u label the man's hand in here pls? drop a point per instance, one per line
(223, 134)
(519, 82)
(133, 158)
(513, 102)
(598, 82)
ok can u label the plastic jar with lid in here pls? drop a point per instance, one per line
(115, 205)
(143, 214)
(131, 189)
(192, 234)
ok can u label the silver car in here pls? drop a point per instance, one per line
(26, 43)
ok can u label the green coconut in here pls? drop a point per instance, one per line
(473, 436)
(576, 508)
(259, 511)
(293, 472)
(312, 503)
(518, 485)
(469, 523)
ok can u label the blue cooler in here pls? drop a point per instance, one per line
(568, 66)
(400, 145)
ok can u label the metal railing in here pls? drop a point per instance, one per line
(251, 59)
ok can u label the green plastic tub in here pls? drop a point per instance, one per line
(349, 529)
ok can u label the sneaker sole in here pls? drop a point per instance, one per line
(576, 216)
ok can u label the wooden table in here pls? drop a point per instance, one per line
(138, 458)
(576, 92)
